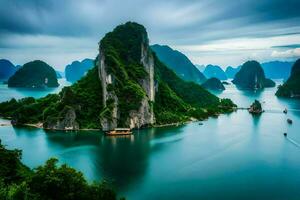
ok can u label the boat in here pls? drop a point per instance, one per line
(285, 111)
(285, 134)
(289, 121)
(200, 123)
(119, 131)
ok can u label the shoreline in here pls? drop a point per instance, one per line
(39, 125)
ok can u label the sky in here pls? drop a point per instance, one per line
(220, 32)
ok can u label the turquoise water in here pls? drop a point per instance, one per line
(234, 156)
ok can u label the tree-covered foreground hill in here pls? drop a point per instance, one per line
(50, 181)
(81, 105)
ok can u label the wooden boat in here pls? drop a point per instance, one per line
(285, 111)
(285, 134)
(289, 121)
(119, 131)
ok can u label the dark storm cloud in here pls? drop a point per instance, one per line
(209, 19)
(70, 27)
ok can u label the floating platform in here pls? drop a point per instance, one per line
(119, 131)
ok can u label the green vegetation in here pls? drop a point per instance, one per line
(178, 101)
(252, 76)
(255, 108)
(122, 51)
(213, 84)
(175, 99)
(291, 88)
(47, 182)
(34, 74)
(85, 97)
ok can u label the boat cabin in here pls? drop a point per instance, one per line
(120, 131)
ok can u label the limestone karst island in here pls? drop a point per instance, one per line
(143, 100)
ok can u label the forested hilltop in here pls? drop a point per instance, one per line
(128, 87)
(35, 74)
(252, 76)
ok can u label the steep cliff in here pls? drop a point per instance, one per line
(291, 88)
(126, 70)
(252, 76)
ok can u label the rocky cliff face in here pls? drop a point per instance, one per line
(107, 79)
(134, 118)
(66, 122)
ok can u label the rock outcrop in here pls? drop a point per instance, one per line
(35, 74)
(252, 76)
(143, 114)
(255, 108)
(67, 121)
(213, 84)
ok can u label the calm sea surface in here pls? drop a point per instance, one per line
(234, 156)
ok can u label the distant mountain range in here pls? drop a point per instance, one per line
(201, 68)
(179, 63)
(60, 74)
(7, 69)
(77, 69)
(273, 70)
(214, 71)
(277, 69)
(231, 71)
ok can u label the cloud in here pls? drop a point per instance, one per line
(291, 53)
(72, 26)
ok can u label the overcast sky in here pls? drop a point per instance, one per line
(219, 32)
